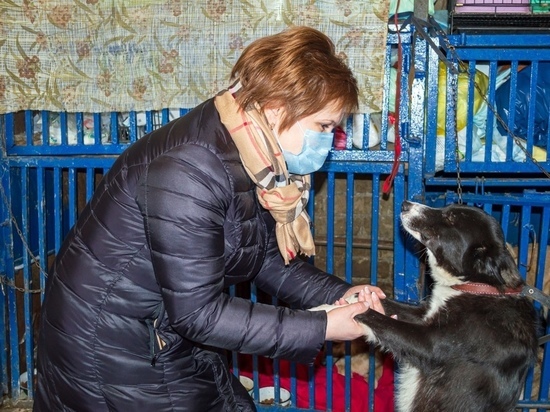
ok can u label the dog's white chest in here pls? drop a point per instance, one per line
(407, 382)
(439, 297)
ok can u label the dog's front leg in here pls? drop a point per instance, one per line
(413, 342)
(404, 311)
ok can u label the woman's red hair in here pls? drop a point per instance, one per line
(298, 70)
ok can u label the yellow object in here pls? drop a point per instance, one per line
(462, 97)
(539, 154)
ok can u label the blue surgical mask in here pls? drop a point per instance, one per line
(314, 152)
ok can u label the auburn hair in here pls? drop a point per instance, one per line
(296, 69)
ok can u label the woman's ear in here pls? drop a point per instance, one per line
(273, 116)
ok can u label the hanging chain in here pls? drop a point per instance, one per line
(457, 161)
(4, 281)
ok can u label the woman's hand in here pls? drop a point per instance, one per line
(341, 323)
(366, 293)
(356, 289)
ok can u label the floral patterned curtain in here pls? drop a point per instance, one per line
(123, 55)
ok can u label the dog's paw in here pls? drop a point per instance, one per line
(327, 308)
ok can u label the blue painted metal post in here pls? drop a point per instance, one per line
(9, 333)
(415, 144)
(6, 236)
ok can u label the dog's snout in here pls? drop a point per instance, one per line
(406, 206)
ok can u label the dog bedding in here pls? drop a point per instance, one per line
(383, 394)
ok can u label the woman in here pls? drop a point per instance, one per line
(135, 315)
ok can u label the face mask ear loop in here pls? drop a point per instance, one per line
(303, 136)
(277, 139)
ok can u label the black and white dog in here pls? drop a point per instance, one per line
(467, 348)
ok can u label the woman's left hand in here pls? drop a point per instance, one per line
(356, 289)
(366, 293)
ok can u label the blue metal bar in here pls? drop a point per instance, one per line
(61, 161)
(374, 235)
(79, 122)
(13, 329)
(7, 121)
(349, 156)
(311, 369)
(149, 121)
(311, 387)
(532, 105)
(132, 116)
(331, 199)
(375, 228)
(511, 42)
(331, 193)
(64, 127)
(45, 132)
(293, 381)
(113, 129)
(57, 208)
(511, 103)
(503, 54)
(66, 150)
(6, 261)
(72, 196)
(350, 194)
(276, 381)
(27, 278)
(525, 227)
(470, 110)
(90, 183)
(505, 219)
(402, 257)
(97, 128)
(41, 228)
(165, 115)
(544, 386)
(493, 181)
(428, 78)
(385, 101)
(29, 128)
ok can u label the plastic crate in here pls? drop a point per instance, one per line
(499, 16)
(492, 6)
(540, 6)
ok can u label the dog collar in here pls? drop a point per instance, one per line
(485, 289)
(528, 291)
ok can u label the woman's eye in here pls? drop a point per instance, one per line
(326, 127)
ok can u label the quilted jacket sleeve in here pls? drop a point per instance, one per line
(299, 284)
(184, 196)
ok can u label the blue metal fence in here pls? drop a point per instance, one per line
(51, 162)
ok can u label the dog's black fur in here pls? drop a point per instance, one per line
(458, 351)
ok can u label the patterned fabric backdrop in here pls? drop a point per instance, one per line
(122, 55)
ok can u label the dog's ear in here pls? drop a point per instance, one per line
(494, 266)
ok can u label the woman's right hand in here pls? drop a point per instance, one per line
(341, 323)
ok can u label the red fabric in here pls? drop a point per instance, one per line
(340, 138)
(383, 394)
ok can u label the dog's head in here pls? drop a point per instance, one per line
(464, 244)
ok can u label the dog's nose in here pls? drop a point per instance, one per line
(406, 206)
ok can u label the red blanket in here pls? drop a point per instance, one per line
(359, 399)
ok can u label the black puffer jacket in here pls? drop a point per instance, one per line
(135, 301)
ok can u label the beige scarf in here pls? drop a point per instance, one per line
(283, 194)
